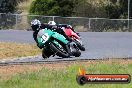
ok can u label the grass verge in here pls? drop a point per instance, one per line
(13, 50)
(63, 74)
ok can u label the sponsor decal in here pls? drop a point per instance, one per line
(83, 78)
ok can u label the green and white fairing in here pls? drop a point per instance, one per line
(45, 36)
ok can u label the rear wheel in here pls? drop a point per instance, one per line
(77, 53)
(61, 52)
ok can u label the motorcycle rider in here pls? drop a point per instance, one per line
(58, 29)
(36, 26)
(63, 27)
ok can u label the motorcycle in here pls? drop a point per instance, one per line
(54, 43)
(74, 36)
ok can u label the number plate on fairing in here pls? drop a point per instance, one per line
(44, 38)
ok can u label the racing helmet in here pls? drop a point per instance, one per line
(52, 23)
(35, 24)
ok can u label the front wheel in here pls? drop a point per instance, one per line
(81, 47)
(46, 53)
(59, 51)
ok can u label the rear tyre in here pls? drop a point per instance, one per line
(59, 51)
(76, 54)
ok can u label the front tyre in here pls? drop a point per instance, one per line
(59, 52)
(81, 47)
(46, 53)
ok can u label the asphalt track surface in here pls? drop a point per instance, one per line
(99, 45)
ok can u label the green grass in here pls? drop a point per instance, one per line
(66, 78)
